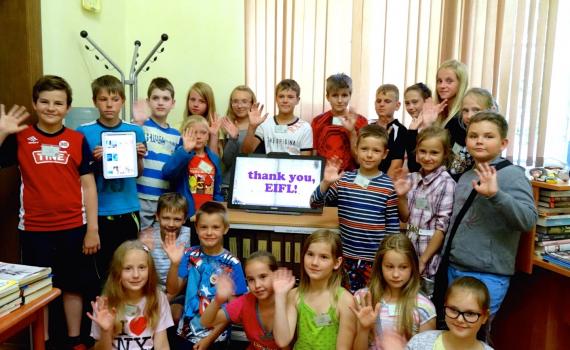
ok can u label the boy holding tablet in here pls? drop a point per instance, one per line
(118, 202)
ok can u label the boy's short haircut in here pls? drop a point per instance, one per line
(161, 84)
(109, 83)
(51, 83)
(212, 207)
(288, 84)
(492, 117)
(191, 120)
(373, 130)
(172, 202)
(385, 88)
(338, 81)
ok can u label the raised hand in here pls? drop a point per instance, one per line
(215, 125)
(102, 315)
(11, 122)
(365, 312)
(224, 288)
(332, 170)
(283, 281)
(402, 184)
(174, 250)
(349, 121)
(255, 117)
(230, 128)
(189, 139)
(431, 111)
(487, 185)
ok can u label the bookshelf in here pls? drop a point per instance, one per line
(528, 246)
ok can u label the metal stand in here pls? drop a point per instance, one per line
(132, 81)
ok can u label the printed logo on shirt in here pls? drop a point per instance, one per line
(63, 144)
(60, 158)
(32, 140)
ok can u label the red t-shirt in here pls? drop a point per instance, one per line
(330, 140)
(201, 179)
(51, 165)
(243, 310)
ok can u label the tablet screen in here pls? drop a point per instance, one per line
(119, 154)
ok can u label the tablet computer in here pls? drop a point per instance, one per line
(119, 154)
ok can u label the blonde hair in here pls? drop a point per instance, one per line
(191, 121)
(484, 98)
(230, 112)
(205, 91)
(115, 292)
(333, 239)
(406, 305)
(460, 71)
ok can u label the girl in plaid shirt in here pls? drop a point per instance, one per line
(425, 200)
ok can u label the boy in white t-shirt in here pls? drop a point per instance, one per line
(284, 133)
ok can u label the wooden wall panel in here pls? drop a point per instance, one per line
(20, 67)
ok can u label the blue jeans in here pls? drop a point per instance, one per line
(496, 284)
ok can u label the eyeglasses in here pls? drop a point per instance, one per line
(468, 316)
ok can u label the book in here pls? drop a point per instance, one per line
(540, 237)
(32, 287)
(564, 255)
(544, 204)
(554, 220)
(23, 274)
(559, 262)
(552, 248)
(10, 298)
(6, 309)
(7, 286)
(549, 193)
(38, 293)
(556, 242)
(552, 211)
(553, 229)
(554, 200)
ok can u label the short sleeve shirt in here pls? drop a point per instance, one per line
(136, 332)
(292, 138)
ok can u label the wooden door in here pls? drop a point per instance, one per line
(20, 67)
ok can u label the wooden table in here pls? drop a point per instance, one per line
(31, 314)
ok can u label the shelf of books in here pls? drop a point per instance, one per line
(21, 284)
(552, 234)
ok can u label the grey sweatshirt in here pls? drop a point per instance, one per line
(488, 236)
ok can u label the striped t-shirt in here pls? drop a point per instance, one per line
(365, 215)
(160, 143)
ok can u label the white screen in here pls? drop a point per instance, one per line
(275, 182)
(119, 154)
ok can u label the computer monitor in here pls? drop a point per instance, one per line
(275, 183)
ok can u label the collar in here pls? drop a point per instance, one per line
(428, 179)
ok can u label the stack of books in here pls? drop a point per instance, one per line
(21, 284)
(10, 298)
(553, 227)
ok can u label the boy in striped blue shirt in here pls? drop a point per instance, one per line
(367, 204)
(161, 140)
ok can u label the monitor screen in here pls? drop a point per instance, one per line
(275, 182)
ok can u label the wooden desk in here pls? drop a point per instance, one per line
(282, 235)
(31, 314)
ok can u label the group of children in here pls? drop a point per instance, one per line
(368, 287)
